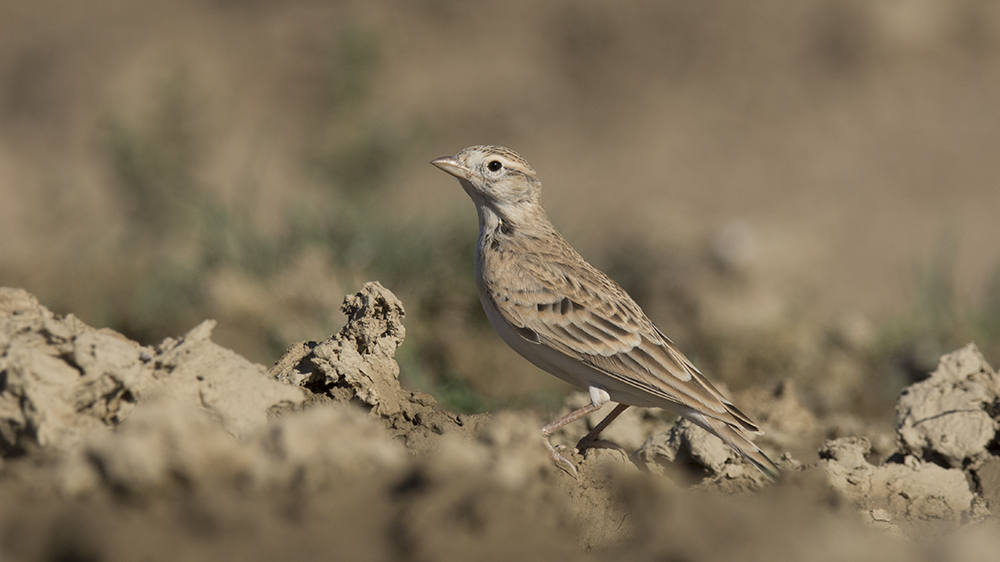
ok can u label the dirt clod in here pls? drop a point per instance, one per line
(951, 417)
(356, 365)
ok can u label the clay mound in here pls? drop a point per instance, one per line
(63, 380)
(946, 429)
(356, 366)
(116, 451)
(952, 417)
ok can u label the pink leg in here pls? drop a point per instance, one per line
(555, 425)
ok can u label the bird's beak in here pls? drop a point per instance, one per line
(451, 165)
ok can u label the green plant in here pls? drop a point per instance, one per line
(939, 320)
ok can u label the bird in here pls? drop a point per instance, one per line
(570, 319)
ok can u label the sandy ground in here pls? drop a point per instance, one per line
(185, 450)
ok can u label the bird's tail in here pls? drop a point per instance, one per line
(737, 438)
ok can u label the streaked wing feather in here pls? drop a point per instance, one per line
(588, 317)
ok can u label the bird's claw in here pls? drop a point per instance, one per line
(561, 461)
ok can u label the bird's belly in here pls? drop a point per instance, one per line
(568, 368)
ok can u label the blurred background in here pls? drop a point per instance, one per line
(802, 190)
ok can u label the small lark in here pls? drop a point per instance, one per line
(572, 320)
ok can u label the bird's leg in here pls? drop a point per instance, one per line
(598, 398)
(559, 423)
(590, 439)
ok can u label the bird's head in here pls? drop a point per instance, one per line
(496, 178)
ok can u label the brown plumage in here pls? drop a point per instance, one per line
(570, 319)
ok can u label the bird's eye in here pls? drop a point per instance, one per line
(494, 166)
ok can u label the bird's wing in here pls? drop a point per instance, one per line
(579, 311)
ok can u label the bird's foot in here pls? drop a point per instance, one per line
(561, 461)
